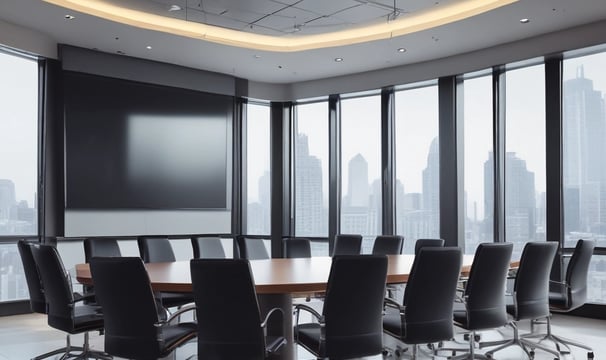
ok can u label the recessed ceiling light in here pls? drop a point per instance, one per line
(148, 47)
(174, 7)
(525, 21)
(401, 50)
(70, 17)
(338, 59)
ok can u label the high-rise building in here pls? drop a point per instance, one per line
(358, 190)
(7, 198)
(310, 212)
(584, 151)
(431, 189)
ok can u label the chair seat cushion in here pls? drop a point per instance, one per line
(175, 335)
(459, 314)
(392, 322)
(308, 336)
(170, 299)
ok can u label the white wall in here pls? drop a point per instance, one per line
(24, 39)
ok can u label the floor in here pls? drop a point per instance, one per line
(25, 336)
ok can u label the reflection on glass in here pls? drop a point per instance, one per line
(417, 165)
(311, 173)
(360, 169)
(258, 211)
(478, 171)
(584, 151)
(525, 156)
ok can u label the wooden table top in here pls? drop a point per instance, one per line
(272, 276)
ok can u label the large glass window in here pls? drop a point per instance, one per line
(18, 166)
(417, 165)
(525, 156)
(258, 157)
(478, 164)
(361, 168)
(311, 173)
(584, 151)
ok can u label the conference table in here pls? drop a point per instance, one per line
(277, 282)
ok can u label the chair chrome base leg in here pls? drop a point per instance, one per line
(471, 351)
(516, 341)
(556, 340)
(83, 352)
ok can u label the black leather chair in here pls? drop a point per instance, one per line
(569, 295)
(297, 248)
(133, 329)
(421, 243)
(205, 247)
(483, 305)
(105, 247)
(351, 323)
(229, 321)
(425, 315)
(65, 311)
(530, 298)
(347, 244)
(158, 249)
(37, 300)
(388, 245)
(251, 249)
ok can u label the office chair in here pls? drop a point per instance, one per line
(530, 298)
(569, 295)
(421, 243)
(251, 249)
(37, 300)
(347, 244)
(207, 247)
(158, 249)
(133, 329)
(351, 321)
(102, 247)
(483, 298)
(388, 245)
(297, 248)
(425, 315)
(64, 311)
(229, 321)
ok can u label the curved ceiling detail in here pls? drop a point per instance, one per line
(402, 25)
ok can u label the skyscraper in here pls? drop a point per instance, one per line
(7, 198)
(310, 212)
(431, 188)
(584, 131)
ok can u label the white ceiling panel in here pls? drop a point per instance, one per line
(323, 7)
(285, 20)
(362, 14)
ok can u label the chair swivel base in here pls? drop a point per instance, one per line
(524, 344)
(76, 352)
(556, 340)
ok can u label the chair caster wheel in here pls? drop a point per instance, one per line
(385, 352)
(590, 355)
(476, 338)
(466, 337)
(531, 354)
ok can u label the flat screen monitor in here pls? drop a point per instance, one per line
(131, 145)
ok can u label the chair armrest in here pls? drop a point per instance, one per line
(270, 313)
(79, 297)
(389, 302)
(175, 315)
(310, 310)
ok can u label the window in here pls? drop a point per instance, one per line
(525, 156)
(311, 173)
(258, 186)
(417, 165)
(584, 151)
(19, 169)
(478, 169)
(361, 168)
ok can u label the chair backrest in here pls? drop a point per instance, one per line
(347, 244)
(353, 307)
(430, 294)
(297, 248)
(102, 247)
(421, 243)
(227, 310)
(388, 245)
(251, 249)
(485, 289)
(37, 300)
(531, 286)
(576, 273)
(207, 247)
(57, 287)
(155, 249)
(123, 290)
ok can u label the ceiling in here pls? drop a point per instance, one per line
(291, 18)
